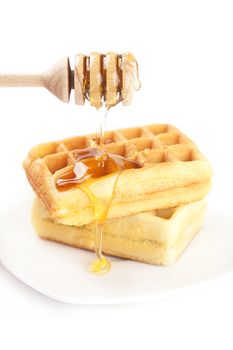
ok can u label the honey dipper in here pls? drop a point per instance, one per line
(109, 78)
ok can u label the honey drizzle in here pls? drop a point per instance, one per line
(100, 265)
(101, 129)
(94, 163)
(97, 163)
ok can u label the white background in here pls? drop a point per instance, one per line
(184, 50)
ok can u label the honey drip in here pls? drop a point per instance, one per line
(91, 164)
(100, 130)
(109, 78)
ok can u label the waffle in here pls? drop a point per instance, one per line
(173, 172)
(154, 237)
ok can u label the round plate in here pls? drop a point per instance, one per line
(61, 272)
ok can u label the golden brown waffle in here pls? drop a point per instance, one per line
(173, 172)
(154, 237)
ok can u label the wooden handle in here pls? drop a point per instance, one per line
(21, 80)
(57, 80)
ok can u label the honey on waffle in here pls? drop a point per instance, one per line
(92, 163)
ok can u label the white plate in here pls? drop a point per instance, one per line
(61, 272)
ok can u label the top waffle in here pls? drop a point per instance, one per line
(173, 172)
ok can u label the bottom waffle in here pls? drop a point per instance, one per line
(154, 237)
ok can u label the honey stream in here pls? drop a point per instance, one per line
(95, 162)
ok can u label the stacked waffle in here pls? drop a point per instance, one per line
(156, 209)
